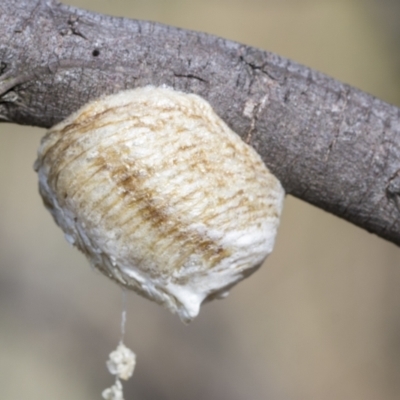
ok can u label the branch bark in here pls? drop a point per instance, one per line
(330, 144)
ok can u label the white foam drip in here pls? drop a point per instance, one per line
(121, 362)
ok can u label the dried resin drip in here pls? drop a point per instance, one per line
(121, 362)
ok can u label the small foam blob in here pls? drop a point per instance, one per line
(115, 392)
(121, 362)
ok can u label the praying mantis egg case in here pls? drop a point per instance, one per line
(161, 195)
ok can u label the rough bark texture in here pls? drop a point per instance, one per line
(329, 144)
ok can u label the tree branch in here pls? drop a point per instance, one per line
(329, 144)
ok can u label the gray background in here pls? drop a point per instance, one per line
(321, 320)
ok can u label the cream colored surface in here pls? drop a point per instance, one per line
(160, 195)
(319, 321)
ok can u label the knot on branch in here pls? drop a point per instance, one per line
(393, 189)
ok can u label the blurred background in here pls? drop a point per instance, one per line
(321, 320)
